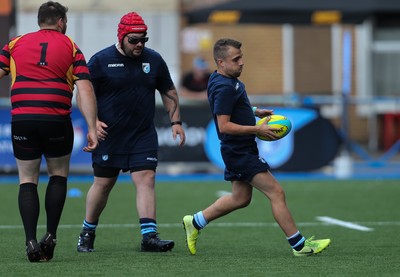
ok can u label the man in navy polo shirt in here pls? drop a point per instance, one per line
(125, 77)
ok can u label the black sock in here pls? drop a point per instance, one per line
(148, 226)
(29, 208)
(56, 193)
(296, 241)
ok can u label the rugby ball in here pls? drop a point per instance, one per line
(277, 121)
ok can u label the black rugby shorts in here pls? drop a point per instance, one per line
(32, 138)
(242, 164)
(109, 166)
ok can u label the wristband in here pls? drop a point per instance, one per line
(254, 110)
(176, 123)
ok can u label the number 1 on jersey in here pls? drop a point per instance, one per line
(42, 61)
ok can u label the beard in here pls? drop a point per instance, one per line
(135, 53)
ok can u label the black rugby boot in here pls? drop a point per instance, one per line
(152, 243)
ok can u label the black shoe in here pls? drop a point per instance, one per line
(47, 245)
(33, 251)
(86, 241)
(152, 243)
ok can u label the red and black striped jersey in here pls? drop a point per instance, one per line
(44, 66)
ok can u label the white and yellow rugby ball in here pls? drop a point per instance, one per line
(277, 121)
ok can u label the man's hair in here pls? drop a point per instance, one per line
(222, 45)
(50, 12)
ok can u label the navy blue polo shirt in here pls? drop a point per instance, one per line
(125, 90)
(228, 96)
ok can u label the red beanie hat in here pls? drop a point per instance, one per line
(130, 23)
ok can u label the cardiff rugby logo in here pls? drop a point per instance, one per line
(146, 67)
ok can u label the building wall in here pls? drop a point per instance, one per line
(313, 60)
(93, 25)
(262, 52)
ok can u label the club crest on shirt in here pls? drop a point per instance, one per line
(146, 67)
(237, 86)
(105, 157)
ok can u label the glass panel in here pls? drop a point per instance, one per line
(386, 74)
(387, 34)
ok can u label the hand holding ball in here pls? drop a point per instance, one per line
(279, 122)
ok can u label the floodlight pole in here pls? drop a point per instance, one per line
(346, 86)
(343, 164)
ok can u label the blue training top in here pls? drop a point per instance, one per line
(125, 90)
(228, 96)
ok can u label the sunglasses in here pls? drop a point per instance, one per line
(133, 40)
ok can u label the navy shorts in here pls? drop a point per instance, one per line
(31, 139)
(242, 164)
(110, 165)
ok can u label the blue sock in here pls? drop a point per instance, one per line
(199, 221)
(87, 226)
(296, 241)
(147, 226)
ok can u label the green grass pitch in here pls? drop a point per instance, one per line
(246, 242)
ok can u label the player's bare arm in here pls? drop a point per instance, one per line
(171, 104)
(227, 127)
(87, 104)
(2, 73)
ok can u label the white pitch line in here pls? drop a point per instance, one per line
(216, 224)
(342, 223)
(168, 225)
